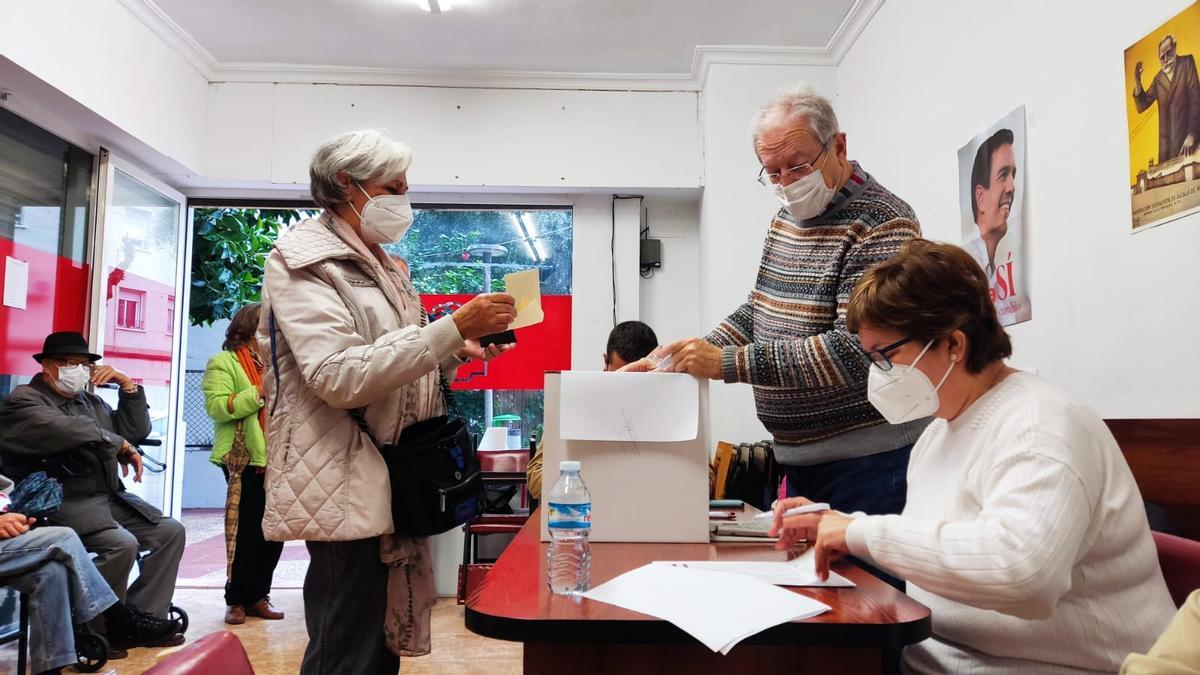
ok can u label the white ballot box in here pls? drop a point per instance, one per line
(639, 438)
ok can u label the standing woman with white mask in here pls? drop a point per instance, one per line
(343, 329)
(1024, 530)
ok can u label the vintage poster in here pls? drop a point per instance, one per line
(991, 176)
(1162, 102)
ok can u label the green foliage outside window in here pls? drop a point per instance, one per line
(229, 249)
(231, 245)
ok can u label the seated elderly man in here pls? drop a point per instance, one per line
(64, 589)
(53, 425)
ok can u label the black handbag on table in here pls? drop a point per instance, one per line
(433, 468)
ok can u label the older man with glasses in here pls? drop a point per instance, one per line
(789, 340)
(54, 424)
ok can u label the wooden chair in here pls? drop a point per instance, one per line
(502, 467)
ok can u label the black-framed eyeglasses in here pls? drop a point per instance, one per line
(799, 171)
(880, 356)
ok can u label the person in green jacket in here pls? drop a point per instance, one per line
(233, 398)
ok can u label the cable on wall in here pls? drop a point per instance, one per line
(612, 248)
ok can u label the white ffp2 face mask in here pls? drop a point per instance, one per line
(72, 379)
(384, 218)
(805, 198)
(906, 395)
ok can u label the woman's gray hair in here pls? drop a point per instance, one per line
(792, 104)
(367, 155)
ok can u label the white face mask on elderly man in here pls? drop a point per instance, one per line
(806, 198)
(384, 218)
(72, 379)
(907, 395)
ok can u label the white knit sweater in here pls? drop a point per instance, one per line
(1026, 535)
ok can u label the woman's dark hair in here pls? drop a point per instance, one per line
(243, 327)
(927, 291)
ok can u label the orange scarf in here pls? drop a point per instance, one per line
(254, 372)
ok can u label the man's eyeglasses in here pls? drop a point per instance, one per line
(67, 363)
(879, 357)
(799, 171)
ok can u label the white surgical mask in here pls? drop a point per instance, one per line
(384, 218)
(904, 394)
(72, 379)
(805, 198)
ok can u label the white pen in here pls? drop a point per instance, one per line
(807, 508)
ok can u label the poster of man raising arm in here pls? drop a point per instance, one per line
(1163, 107)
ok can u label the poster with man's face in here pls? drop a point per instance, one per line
(991, 178)
(1162, 105)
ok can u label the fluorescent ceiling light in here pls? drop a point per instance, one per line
(525, 233)
(435, 6)
(538, 243)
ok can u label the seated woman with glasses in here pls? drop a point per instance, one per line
(1024, 531)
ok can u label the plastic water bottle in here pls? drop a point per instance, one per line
(569, 519)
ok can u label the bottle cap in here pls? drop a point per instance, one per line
(569, 465)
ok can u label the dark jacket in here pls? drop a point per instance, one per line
(76, 441)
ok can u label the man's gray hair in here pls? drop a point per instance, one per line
(793, 104)
(367, 155)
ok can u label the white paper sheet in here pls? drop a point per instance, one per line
(526, 289)
(800, 571)
(16, 282)
(718, 609)
(629, 407)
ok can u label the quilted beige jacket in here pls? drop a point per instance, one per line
(343, 341)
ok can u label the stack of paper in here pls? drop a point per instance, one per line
(800, 571)
(717, 608)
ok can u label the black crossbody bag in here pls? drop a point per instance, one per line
(433, 469)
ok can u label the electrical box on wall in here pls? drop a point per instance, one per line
(651, 254)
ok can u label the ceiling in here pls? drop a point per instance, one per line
(565, 36)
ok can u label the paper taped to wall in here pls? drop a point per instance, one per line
(629, 407)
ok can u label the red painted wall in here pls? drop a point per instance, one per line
(542, 347)
(57, 302)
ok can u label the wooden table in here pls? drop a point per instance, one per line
(579, 636)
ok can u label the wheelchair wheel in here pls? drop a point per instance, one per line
(176, 612)
(92, 651)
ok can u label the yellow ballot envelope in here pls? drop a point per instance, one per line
(526, 289)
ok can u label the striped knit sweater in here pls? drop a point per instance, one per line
(789, 339)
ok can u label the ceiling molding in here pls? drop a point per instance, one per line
(856, 19)
(852, 26)
(469, 79)
(174, 35)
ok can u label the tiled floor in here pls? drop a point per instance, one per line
(203, 564)
(278, 646)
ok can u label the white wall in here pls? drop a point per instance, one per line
(670, 299)
(463, 137)
(735, 213)
(1114, 314)
(110, 62)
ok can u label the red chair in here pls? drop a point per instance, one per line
(219, 653)
(498, 467)
(1179, 559)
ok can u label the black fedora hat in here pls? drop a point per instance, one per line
(65, 344)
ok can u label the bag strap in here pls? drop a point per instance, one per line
(274, 360)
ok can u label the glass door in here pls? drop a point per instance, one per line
(136, 321)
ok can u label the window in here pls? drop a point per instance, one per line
(130, 305)
(456, 253)
(170, 315)
(45, 197)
